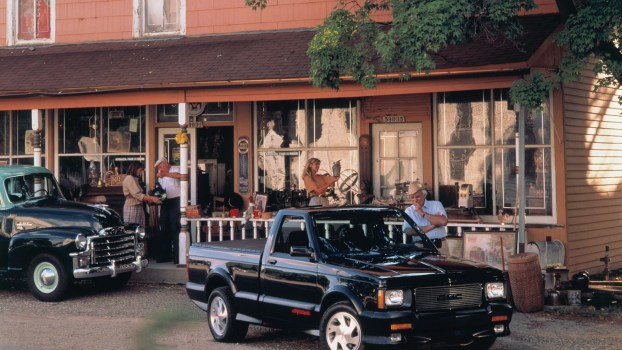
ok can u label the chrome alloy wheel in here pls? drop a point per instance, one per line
(45, 277)
(218, 315)
(343, 332)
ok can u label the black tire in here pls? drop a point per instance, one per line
(340, 328)
(112, 283)
(481, 344)
(47, 279)
(221, 317)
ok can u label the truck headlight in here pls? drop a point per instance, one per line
(394, 297)
(140, 232)
(80, 242)
(495, 290)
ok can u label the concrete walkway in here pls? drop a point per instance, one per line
(162, 273)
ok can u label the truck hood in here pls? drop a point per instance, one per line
(424, 269)
(58, 212)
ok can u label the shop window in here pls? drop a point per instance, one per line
(32, 21)
(290, 132)
(156, 17)
(97, 143)
(475, 145)
(17, 137)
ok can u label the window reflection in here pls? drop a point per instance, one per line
(290, 132)
(467, 122)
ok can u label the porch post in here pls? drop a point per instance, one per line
(36, 128)
(184, 234)
(520, 178)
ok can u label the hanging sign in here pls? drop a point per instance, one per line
(243, 149)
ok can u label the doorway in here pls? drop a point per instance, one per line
(397, 150)
(215, 156)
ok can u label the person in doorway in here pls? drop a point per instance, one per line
(317, 185)
(133, 208)
(429, 215)
(170, 212)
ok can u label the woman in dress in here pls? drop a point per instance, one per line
(133, 210)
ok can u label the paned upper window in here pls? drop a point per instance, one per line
(160, 17)
(30, 21)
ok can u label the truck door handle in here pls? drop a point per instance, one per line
(271, 261)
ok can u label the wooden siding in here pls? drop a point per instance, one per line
(98, 20)
(592, 135)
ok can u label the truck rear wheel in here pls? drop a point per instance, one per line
(340, 328)
(47, 279)
(221, 317)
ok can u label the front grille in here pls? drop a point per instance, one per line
(448, 297)
(120, 247)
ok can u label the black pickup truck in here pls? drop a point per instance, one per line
(352, 277)
(51, 242)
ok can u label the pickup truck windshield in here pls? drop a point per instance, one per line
(362, 232)
(23, 188)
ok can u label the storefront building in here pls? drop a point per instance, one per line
(104, 95)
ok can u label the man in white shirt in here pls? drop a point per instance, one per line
(429, 215)
(170, 212)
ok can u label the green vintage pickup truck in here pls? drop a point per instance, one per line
(51, 241)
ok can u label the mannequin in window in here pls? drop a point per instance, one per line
(273, 165)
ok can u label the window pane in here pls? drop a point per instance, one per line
(332, 123)
(388, 143)
(282, 124)
(5, 128)
(43, 19)
(538, 127)
(505, 119)
(464, 118)
(466, 166)
(389, 176)
(161, 16)
(408, 144)
(22, 138)
(26, 17)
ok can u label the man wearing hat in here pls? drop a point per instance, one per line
(429, 215)
(170, 212)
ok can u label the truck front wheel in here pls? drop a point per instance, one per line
(340, 328)
(221, 317)
(47, 279)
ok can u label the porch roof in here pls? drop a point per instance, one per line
(215, 60)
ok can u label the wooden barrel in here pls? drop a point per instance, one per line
(526, 282)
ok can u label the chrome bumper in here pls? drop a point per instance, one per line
(111, 270)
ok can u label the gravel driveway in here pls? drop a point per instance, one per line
(143, 316)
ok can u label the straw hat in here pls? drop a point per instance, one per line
(415, 187)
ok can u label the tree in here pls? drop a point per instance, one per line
(351, 43)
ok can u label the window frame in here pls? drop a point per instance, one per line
(139, 29)
(12, 24)
(493, 147)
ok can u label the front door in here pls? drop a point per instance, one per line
(397, 149)
(169, 148)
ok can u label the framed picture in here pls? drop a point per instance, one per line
(492, 248)
(261, 200)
